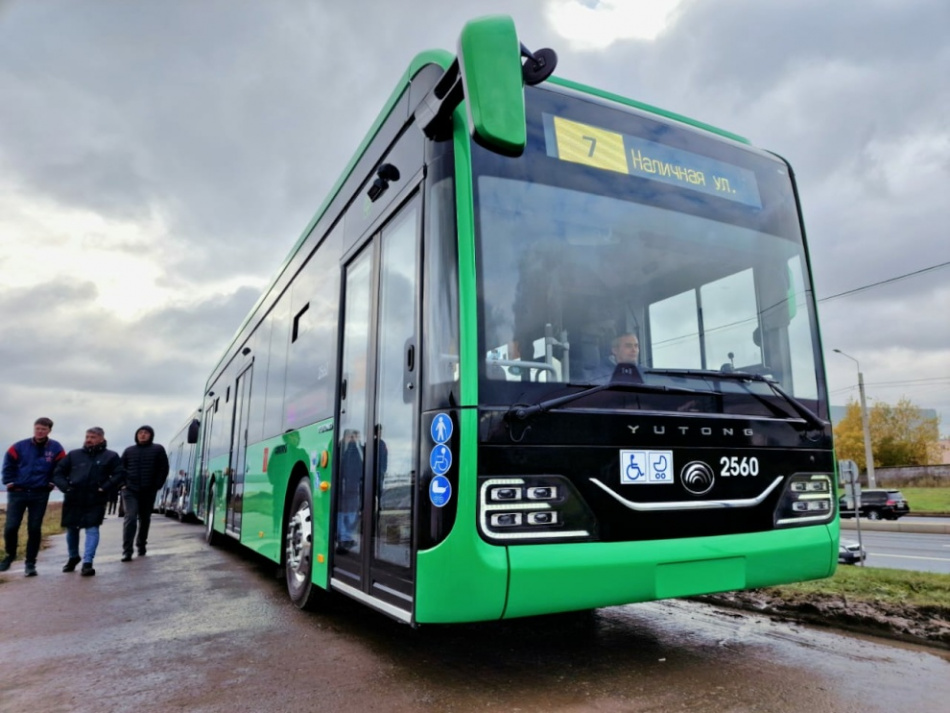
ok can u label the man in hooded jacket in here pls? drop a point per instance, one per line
(146, 468)
(86, 476)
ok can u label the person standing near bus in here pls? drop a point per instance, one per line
(86, 476)
(146, 468)
(27, 470)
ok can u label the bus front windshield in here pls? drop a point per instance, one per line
(680, 252)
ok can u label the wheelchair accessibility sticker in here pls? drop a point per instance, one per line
(440, 459)
(651, 467)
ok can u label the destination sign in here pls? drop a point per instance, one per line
(611, 151)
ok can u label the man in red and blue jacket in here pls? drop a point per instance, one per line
(28, 474)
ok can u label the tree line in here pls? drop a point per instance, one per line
(900, 435)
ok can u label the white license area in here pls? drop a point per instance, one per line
(646, 466)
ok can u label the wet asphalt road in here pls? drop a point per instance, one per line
(188, 628)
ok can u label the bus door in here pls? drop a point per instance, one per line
(238, 461)
(375, 451)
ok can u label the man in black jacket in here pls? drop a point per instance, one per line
(86, 476)
(146, 468)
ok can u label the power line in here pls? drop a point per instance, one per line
(885, 282)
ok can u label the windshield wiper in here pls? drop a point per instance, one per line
(626, 377)
(809, 416)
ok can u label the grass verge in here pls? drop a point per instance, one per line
(932, 500)
(876, 584)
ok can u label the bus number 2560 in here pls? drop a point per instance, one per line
(735, 466)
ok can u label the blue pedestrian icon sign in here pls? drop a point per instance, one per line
(440, 459)
(441, 429)
(440, 491)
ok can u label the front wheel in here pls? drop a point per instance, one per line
(874, 514)
(298, 548)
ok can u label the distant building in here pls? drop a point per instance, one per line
(944, 453)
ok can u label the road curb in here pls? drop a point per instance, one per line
(933, 528)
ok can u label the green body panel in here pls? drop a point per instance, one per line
(267, 493)
(490, 61)
(566, 577)
(463, 578)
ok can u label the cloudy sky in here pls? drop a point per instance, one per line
(158, 158)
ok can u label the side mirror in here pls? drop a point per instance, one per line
(489, 56)
(193, 429)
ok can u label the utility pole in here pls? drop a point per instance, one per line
(865, 425)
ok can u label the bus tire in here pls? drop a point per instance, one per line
(298, 548)
(212, 537)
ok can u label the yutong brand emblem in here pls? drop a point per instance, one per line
(697, 477)
(693, 430)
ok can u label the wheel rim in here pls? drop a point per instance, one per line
(874, 515)
(299, 543)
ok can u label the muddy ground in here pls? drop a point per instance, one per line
(922, 625)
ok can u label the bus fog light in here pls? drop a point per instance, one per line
(542, 493)
(810, 486)
(505, 494)
(506, 519)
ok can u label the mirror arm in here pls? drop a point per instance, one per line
(435, 109)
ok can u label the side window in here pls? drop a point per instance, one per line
(311, 357)
(804, 378)
(441, 285)
(280, 320)
(255, 407)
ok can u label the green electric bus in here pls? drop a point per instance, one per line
(543, 348)
(181, 495)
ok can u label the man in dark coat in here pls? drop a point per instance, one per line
(146, 468)
(86, 476)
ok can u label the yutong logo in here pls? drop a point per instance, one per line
(697, 477)
(692, 430)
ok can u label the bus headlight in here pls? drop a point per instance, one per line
(532, 508)
(807, 500)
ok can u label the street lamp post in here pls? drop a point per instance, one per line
(868, 454)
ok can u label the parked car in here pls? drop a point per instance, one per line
(850, 552)
(876, 505)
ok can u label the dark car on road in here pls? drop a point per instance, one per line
(850, 552)
(876, 505)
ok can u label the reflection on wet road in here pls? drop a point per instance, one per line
(191, 628)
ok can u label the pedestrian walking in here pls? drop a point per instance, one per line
(86, 476)
(146, 467)
(27, 473)
(112, 501)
